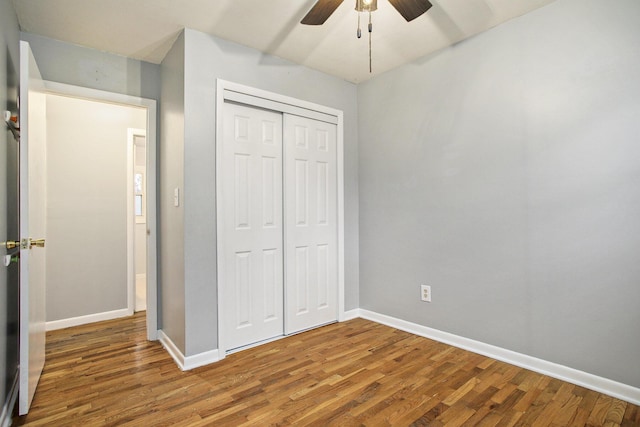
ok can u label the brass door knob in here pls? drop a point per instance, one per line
(39, 243)
(9, 244)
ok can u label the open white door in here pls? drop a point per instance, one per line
(32, 226)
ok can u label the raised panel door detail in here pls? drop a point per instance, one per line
(243, 289)
(322, 136)
(302, 137)
(241, 129)
(323, 275)
(301, 192)
(242, 191)
(322, 192)
(269, 191)
(302, 279)
(271, 283)
(268, 132)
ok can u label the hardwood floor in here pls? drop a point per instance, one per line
(351, 373)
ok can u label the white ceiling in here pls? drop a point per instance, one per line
(145, 29)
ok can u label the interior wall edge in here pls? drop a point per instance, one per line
(186, 363)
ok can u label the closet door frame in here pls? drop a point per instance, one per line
(253, 97)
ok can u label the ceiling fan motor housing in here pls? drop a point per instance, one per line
(366, 5)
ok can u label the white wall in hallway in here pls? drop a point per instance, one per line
(87, 205)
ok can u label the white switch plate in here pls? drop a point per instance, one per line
(425, 293)
(176, 197)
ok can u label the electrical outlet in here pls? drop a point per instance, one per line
(426, 293)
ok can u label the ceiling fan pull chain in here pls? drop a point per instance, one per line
(359, 33)
(370, 31)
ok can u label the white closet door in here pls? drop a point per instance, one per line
(311, 267)
(253, 243)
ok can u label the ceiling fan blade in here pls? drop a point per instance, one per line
(411, 9)
(320, 12)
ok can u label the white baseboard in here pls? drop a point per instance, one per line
(186, 363)
(83, 320)
(351, 314)
(201, 359)
(593, 382)
(7, 409)
(171, 348)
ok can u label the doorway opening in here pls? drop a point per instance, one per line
(101, 215)
(137, 149)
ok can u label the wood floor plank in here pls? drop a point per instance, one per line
(355, 373)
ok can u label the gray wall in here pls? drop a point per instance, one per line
(171, 309)
(87, 205)
(504, 172)
(80, 66)
(9, 67)
(208, 58)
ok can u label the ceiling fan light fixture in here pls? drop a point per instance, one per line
(322, 9)
(366, 5)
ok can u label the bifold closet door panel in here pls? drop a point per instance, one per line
(252, 232)
(310, 191)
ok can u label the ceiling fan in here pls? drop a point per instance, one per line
(323, 9)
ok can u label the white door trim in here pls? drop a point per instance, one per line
(131, 219)
(281, 103)
(151, 107)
